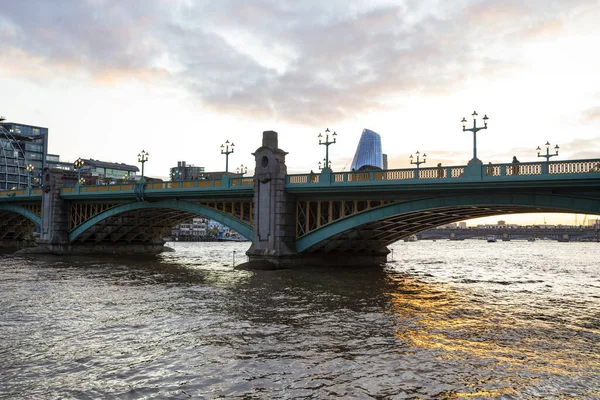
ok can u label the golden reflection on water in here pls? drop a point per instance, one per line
(454, 327)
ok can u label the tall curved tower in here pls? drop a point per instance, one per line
(368, 153)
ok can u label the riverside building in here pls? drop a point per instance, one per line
(20, 146)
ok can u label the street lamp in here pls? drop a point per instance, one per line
(474, 129)
(547, 155)
(142, 158)
(78, 164)
(418, 162)
(29, 168)
(225, 150)
(325, 165)
(81, 181)
(241, 170)
(327, 143)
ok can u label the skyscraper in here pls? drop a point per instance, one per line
(368, 153)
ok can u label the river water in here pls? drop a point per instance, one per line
(465, 319)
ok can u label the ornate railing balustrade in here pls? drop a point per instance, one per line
(149, 187)
(489, 172)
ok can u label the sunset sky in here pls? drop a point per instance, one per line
(179, 77)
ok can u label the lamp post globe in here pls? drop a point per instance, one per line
(77, 165)
(242, 170)
(29, 170)
(547, 156)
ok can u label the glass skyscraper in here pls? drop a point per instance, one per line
(21, 145)
(368, 153)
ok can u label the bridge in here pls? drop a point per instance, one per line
(561, 234)
(330, 217)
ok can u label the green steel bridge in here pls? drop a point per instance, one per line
(327, 213)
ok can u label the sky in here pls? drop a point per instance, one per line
(178, 78)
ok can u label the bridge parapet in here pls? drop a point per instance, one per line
(160, 187)
(575, 169)
(20, 193)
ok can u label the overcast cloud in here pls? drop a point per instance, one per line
(296, 61)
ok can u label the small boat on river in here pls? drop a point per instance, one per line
(491, 239)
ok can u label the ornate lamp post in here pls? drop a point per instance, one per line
(242, 170)
(418, 162)
(29, 168)
(142, 158)
(225, 149)
(474, 129)
(547, 155)
(325, 165)
(77, 165)
(327, 143)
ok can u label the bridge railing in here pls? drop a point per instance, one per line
(491, 172)
(20, 192)
(160, 186)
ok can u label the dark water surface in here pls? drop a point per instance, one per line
(470, 319)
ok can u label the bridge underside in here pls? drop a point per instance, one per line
(373, 236)
(136, 227)
(15, 229)
(142, 226)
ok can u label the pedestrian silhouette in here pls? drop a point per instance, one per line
(440, 171)
(490, 169)
(515, 163)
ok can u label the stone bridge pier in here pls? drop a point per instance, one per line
(274, 229)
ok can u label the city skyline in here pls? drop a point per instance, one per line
(178, 79)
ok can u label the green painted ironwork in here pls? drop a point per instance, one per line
(526, 202)
(506, 172)
(235, 224)
(22, 211)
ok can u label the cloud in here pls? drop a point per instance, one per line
(591, 114)
(302, 62)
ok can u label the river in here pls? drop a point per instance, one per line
(445, 319)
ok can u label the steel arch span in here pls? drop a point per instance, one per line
(23, 212)
(148, 221)
(371, 230)
(16, 222)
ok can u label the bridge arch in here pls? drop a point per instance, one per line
(376, 228)
(17, 223)
(185, 211)
(36, 219)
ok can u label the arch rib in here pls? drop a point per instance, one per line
(22, 211)
(240, 227)
(535, 202)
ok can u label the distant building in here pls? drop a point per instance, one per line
(501, 223)
(195, 228)
(368, 153)
(594, 222)
(184, 172)
(94, 172)
(385, 162)
(462, 224)
(107, 172)
(21, 145)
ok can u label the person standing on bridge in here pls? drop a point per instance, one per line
(440, 170)
(515, 167)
